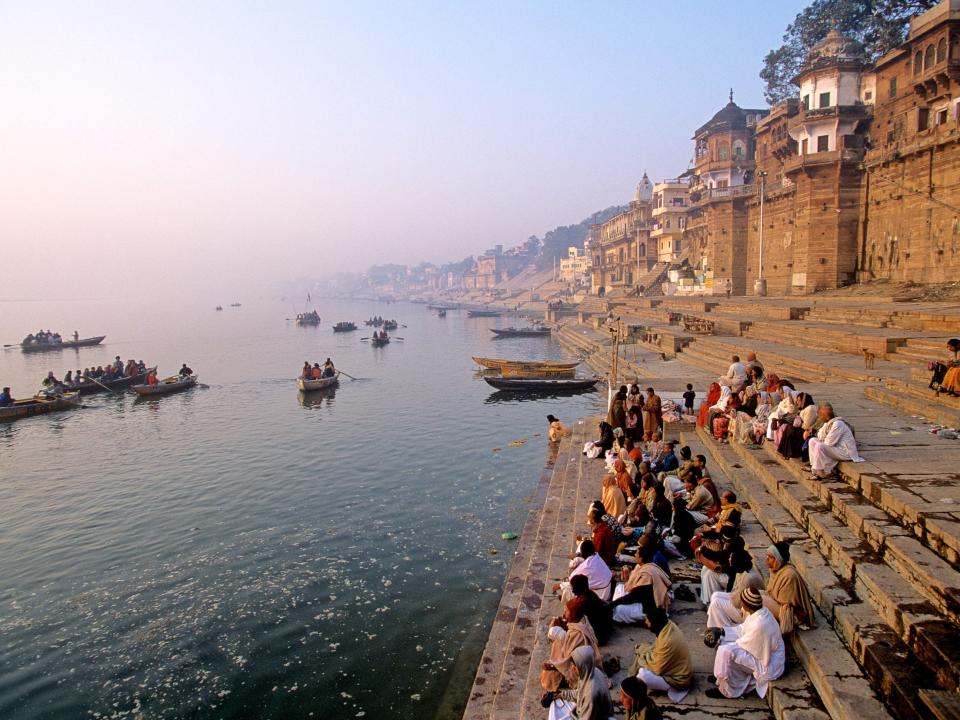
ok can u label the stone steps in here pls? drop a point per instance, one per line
(889, 664)
(831, 669)
(908, 586)
(910, 403)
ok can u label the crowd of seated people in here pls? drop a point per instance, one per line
(658, 505)
(113, 371)
(750, 407)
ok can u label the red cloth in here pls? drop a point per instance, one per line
(604, 542)
(713, 395)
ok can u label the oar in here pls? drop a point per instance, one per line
(11, 345)
(362, 339)
(397, 338)
(102, 385)
(349, 376)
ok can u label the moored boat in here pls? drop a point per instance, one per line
(511, 371)
(542, 385)
(521, 332)
(172, 384)
(344, 326)
(500, 363)
(38, 405)
(484, 313)
(308, 384)
(62, 345)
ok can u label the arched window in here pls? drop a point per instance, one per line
(917, 62)
(723, 151)
(942, 50)
(739, 150)
(928, 57)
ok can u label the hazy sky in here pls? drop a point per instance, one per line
(209, 147)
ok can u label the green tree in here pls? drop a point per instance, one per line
(878, 25)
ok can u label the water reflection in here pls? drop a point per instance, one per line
(318, 398)
(510, 396)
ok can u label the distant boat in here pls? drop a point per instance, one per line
(234, 304)
(441, 313)
(308, 384)
(521, 332)
(166, 386)
(218, 308)
(540, 385)
(484, 313)
(380, 341)
(390, 325)
(63, 345)
(39, 405)
(308, 318)
(344, 326)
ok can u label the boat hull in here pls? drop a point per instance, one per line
(344, 329)
(512, 372)
(484, 313)
(500, 363)
(380, 343)
(550, 386)
(91, 388)
(510, 332)
(67, 345)
(320, 384)
(165, 388)
(37, 406)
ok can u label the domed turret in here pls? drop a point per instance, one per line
(644, 190)
(834, 47)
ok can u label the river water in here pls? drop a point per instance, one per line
(242, 551)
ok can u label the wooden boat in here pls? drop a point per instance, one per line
(441, 313)
(521, 332)
(390, 325)
(499, 363)
(64, 345)
(166, 386)
(509, 371)
(484, 313)
(89, 387)
(38, 405)
(379, 342)
(234, 304)
(452, 306)
(543, 385)
(319, 384)
(344, 327)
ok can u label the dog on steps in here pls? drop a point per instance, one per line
(868, 358)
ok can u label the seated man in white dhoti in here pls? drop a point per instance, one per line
(751, 654)
(834, 442)
(647, 586)
(665, 666)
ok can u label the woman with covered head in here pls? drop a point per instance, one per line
(612, 497)
(593, 692)
(623, 479)
(789, 436)
(786, 594)
(946, 373)
(565, 639)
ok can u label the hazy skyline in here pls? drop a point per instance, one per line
(222, 147)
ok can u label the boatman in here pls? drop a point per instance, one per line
(6, 400)
(76, 336)
(185, 371)
(328, 369)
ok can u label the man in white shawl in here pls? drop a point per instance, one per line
(751, 654)
(834, 443)
(736, 376)
(598, 574)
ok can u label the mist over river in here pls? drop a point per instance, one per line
(245, 551)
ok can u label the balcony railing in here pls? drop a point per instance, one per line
(797, 162)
